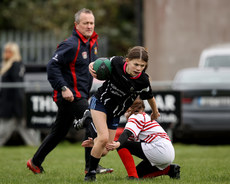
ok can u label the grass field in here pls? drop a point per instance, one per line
(65, 165)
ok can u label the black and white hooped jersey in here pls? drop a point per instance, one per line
(120, 91)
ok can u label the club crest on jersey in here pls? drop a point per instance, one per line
(84, 55)
(95, 50)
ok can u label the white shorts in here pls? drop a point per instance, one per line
(160, 152)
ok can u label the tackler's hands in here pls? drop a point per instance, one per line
(88, 143)
(112, 146)
(92, 71)
(155, 115)
(67, 95)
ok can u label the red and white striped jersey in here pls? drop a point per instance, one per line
(144, 129)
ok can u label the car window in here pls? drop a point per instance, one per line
(205, 77)
(218, 61)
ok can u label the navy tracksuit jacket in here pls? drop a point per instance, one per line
(69, 65)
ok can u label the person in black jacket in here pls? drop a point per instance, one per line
(12, 70)
(11, 99)
(69, 76)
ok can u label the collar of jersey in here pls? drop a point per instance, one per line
(136, 77)
(84, 39)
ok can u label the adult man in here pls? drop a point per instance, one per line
(69, 76)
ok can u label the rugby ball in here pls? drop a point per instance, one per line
(103, 69)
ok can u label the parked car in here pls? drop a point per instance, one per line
(216, 56)
(205, 102)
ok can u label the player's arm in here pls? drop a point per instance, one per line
(57, 81)
(62, 56)
(122, 139)
(155, 114)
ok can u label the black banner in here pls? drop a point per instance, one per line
(41, 110)
(169, 106)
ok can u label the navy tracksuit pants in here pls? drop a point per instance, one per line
(67, 112)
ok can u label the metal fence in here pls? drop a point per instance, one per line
(38, 47)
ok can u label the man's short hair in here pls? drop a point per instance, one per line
(77, 15)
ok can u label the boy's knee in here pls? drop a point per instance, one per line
(103, 140)
(104, 153)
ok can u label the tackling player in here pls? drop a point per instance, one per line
(147, 140)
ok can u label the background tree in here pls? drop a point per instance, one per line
(115, 19)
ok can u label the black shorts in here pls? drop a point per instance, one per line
(95, 104)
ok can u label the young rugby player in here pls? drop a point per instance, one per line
(128, 80)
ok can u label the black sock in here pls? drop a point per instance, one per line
(91, 127)
(87, 121)
(93, 164)
(144, 168)
(87, 150)
(92, 130)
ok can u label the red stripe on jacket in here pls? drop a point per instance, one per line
(55, 95)
(73, 72)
